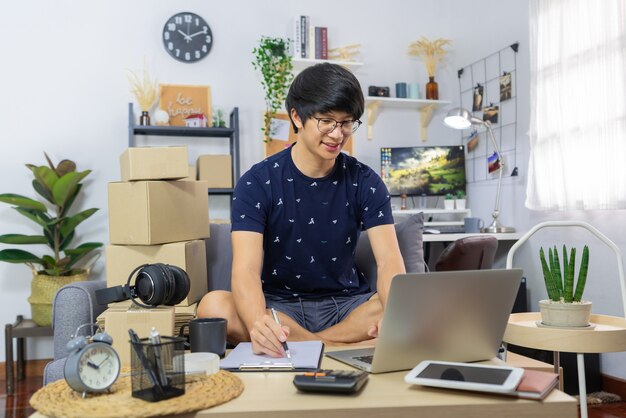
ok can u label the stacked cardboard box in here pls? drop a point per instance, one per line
(153, 218)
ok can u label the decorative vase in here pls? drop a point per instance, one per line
(559, 314)
(432, 89)
(43, 289)
(403, 205)
(144, 119)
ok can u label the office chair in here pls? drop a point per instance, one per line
(470, 253)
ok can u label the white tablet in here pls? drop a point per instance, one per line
(467, 376)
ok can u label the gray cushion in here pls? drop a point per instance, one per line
(219, 256)
(409, 234)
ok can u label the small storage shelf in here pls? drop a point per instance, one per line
(426, 109)
(232, 133)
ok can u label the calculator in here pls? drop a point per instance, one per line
(331, 381)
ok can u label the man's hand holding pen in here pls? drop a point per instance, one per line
(270, 337)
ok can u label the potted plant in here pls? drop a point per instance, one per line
(448, 201)
(564, 306)
(272, 59)
(460, 199)
(59, 186)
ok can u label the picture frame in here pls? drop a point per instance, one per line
(472, 141)
(477, 102)
(181, 101)
(490, 113)
(505, 87)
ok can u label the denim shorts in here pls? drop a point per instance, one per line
(317, 314)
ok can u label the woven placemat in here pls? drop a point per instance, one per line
(58, 400)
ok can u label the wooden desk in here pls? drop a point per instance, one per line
(271, 395)
(385, 395)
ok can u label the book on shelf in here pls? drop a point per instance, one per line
(311, 46)
(304, 35)
(297, 43)
(321, 43)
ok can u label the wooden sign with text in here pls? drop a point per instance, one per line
(181, 101)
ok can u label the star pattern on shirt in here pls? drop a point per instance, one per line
(319, 194)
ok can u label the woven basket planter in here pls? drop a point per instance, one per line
(43, 288)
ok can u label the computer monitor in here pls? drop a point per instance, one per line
(423, 171)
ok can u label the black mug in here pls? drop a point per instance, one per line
(206, 335)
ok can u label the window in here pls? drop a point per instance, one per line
(578, 105)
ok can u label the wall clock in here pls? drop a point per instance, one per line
(187, 37)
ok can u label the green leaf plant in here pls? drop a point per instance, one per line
(58, 186)
(272, 59)
(560, 286)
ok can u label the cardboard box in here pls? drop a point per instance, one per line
(118, 321)
(154, 163)
(188, 255)
(157, 212)
(217, 170)
(191, 174)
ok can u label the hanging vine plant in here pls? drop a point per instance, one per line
(272, 59)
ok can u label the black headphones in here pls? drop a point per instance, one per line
(155, 284)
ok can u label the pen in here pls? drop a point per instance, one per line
(136, 344)
(155, 340)
(277, 319)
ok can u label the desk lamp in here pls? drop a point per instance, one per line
(460, 118)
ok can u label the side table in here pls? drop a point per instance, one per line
(21, 329)
(607, 335)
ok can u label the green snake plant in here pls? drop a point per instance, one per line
(560, 284)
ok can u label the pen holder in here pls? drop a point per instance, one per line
(158, 371)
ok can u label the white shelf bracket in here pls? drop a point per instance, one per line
(372, 114)
(426, 114)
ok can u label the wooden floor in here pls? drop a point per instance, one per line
(17, 406)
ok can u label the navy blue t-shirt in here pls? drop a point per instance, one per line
(310, 226)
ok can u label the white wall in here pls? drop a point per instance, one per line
(65, 92)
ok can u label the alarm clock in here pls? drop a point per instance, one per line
(91, 366)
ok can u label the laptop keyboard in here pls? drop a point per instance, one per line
(364, 359)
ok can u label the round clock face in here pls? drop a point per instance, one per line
(187, 37)
(96, 369)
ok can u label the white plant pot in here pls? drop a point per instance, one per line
(559, 314)
(460, 203)
(448, 204)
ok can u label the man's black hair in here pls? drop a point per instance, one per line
(323, 88)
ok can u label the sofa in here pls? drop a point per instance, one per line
(75, 304)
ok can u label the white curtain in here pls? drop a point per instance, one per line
(578, 105)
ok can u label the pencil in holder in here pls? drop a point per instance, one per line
(157, 370)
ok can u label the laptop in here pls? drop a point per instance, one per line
(447, 316)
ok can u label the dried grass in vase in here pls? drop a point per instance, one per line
(145, 90)
(431, 52)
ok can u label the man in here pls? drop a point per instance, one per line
(296, 219)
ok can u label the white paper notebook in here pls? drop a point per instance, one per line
(305, 355)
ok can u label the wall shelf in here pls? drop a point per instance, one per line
(232, 133)
(302, 63)
(426, 109)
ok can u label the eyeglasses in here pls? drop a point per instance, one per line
(327, 125)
